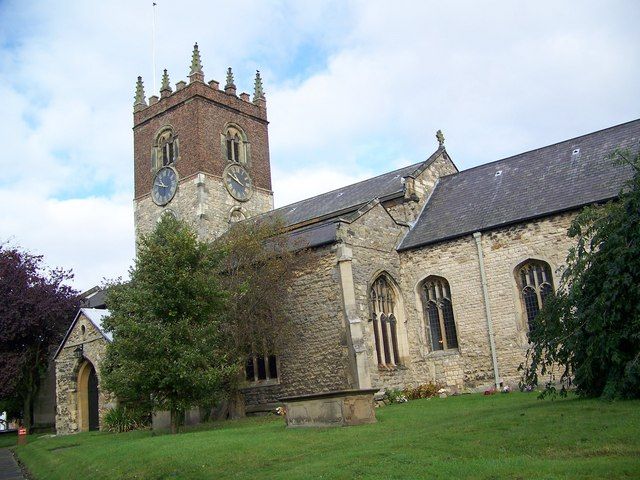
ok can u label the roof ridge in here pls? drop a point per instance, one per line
(345, 186)
(545, 146)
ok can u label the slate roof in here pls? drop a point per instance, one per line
(346, 199)
(548, 180)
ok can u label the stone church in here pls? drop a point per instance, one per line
(422, 274)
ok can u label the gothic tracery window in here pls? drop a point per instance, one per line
(165, 149)
(235, 145)
(536, 284)
(439, 314)
(385, 323)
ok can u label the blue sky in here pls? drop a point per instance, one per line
(354, 88)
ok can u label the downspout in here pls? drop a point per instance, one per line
(487, 309)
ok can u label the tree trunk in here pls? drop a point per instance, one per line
(236, 405)
(27, 413)
(177, 418)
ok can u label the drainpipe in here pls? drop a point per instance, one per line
(485, 293)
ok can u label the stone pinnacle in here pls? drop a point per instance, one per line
(258, 92)
(196, 64)
(230, 84)
(166, 86)
(139, 100)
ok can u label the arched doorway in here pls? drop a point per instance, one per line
(88, 393)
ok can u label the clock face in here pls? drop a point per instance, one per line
(238, 182)
(165, 184)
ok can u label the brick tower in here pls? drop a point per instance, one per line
(200, 153)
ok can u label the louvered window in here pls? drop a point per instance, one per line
(165, 150)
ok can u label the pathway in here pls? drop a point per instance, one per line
(9, 469)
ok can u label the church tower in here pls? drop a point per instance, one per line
(201, 153)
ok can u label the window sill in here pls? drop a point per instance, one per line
(390, 368)
(444, 353)
(260, 383)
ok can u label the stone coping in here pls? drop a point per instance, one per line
(332, 394)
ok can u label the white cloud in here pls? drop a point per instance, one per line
(354, 89)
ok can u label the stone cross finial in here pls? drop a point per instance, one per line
(139, 100)
(165, 89)
(230, 87)
(440, 137)
(258, 92)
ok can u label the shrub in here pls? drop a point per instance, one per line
(395, 396)
(125, 418)
(426, 390)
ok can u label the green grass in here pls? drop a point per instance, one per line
(8, 440)
(503, 436)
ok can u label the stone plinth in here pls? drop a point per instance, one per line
(331, 409)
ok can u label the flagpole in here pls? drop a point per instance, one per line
(153, 48)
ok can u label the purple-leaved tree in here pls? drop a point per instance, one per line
(36, 308)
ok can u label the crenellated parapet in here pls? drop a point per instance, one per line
(197, 87)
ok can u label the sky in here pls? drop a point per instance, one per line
(354, 89)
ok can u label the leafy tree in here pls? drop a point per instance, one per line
(166, 322)
(259, 263)
(35, 312)
(590, 330)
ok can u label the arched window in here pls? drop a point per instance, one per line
(165, 149)
(385, 323)
(535, 284)
(236, 215)
(235, 145)
(438, 311)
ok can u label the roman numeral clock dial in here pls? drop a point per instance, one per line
(238, 182)
(165, 184)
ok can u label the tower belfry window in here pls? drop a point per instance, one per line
(165, 150)
(235, 146)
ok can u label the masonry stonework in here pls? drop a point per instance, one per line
(317, 356)
(67, 367)
(470, 365)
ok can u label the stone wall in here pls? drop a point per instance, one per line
(317, 357)
(67, 367)
(203, 202)
(44, 406)
(457, 261)
(407, 210)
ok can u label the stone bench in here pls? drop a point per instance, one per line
(331, 409)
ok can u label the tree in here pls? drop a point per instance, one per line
(35, 312)
(591, 328)
(166, 323)
(259, 263)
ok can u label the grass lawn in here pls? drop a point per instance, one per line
(8, 439)
(502, 436)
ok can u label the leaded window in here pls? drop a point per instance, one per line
(536, 284)
(385, 323)
(439, 314)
